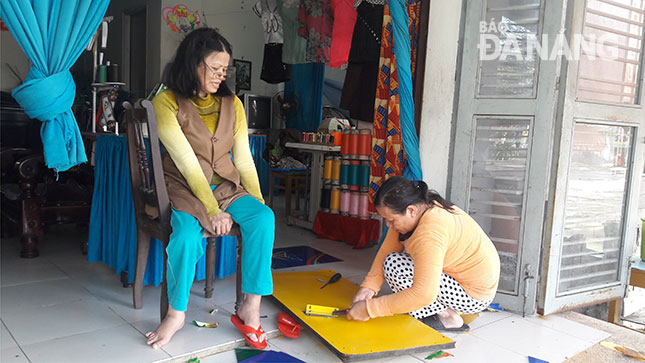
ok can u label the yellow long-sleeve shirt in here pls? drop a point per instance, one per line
(182, 154)
(452, 243)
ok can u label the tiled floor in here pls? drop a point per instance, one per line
(60, 308)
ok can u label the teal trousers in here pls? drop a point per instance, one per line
(257, 224)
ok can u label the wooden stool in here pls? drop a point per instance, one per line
(290, 181)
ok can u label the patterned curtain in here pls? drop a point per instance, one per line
(388, 155)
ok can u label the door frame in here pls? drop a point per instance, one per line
(571, 110)
(127, 47)
(542, 109)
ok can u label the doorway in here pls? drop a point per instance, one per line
(137, 55)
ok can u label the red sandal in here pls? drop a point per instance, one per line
(245, 329)
(288, 326)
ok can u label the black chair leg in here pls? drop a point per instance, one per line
(143, 248)
(163, 307)
(210, 266)
(239, 297)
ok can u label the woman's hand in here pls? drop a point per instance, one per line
(358, 311)
(363, 293)
(222, 223)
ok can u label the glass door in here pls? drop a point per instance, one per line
(593, 222)
(504, 133)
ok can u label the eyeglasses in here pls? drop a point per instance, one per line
(221, 72)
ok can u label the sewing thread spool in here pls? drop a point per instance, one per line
(353, 143)
(363, 203)
(364, 174)
(335, 170)
(345, 197)
(364, 144)
(334, 206)
(325, 198)
(338, 138)
(327, 170)
(344, 143)
(344, 174)
(102, 73)
(354, 204)
(353, 175)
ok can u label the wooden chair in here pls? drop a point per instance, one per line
(291, 181)
(152, 206)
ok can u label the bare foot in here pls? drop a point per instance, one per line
(249, 313)
(450, 318)
(173, 321)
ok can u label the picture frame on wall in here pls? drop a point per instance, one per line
(242, 74)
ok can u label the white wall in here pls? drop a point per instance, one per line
(237, 23)
(439, 93)
(11, 53)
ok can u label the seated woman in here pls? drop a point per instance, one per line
(435, 257)
(202, 125)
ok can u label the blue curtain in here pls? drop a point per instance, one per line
(258, 143)
(306, 86)
(333, 91)
(53, 35)
(113, 227)
(402, 52)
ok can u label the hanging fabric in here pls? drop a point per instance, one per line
(359, 87)
(387, 146)
(315, 18)
(295, 47)
(306, 89)
(273, 69)
(341, 38)
(53, 35)
(357, 3)
(402, 12)
(394, 105)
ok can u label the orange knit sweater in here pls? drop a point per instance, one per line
(452, 243)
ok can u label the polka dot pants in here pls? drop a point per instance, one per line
(399, 272)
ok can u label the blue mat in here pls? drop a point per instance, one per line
(273, 357)
(299, 256)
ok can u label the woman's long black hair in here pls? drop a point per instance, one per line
(397, 193)
(182, 76)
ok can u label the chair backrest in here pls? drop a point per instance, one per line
(151, 203)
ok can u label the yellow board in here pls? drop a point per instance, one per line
(352, 340)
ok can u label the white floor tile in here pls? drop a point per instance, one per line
(224, 291)
(488, 317)
(24, 271)
(119, 299)
(6, 341)
(194, 339)
(45, 323)
(224, 357)
(471, 349)
(13, 355)
(38, 294)
(306, 347)
(82, 270)
(402, 359)
(117, 344)
(567, 326)
(530, 339)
